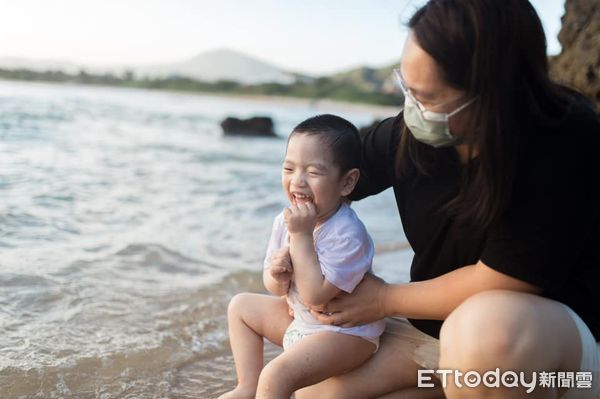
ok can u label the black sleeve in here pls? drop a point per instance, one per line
(553, 215)
(379, 147)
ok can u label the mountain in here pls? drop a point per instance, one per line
(210, 66)
(220, 64)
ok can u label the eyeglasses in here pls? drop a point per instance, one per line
(428, 114)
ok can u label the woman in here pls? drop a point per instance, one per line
(496, 177)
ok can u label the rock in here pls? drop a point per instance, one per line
(578, 64)
(257, 126)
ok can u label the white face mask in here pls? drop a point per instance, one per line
(427, 126)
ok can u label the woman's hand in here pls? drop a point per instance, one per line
(366, 304)
(281, 266)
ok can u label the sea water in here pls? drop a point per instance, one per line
(127, 222)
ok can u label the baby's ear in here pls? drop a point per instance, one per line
(349, 181)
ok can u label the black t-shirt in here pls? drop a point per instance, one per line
(549, 235)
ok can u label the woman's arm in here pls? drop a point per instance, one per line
(432, 299)
(436, 298)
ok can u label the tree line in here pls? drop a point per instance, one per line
(319, 88)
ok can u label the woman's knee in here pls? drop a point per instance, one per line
(489, 327)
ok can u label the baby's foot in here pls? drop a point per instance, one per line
(239, 393)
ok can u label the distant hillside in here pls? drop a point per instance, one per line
(210, 66)
(221, 64)
(218, 71)
(369, 79)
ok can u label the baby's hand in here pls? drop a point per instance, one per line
(281, 266)
(301, 218)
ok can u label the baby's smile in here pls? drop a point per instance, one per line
(301, 199)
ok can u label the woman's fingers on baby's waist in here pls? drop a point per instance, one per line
(322, 312)
(328, 309)
(331, 318)
(320, 316)
(319, 308)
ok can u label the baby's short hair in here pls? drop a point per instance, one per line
(338, 135)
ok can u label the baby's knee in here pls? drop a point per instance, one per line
(274, 370)
(275, 380)
(237, 304)
(279, 371)
(332, 388)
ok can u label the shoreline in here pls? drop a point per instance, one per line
(378, 111)
(382, 111)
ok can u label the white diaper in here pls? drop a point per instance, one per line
(296, 331)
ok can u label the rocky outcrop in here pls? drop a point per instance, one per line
(578, 64)
(257, 126)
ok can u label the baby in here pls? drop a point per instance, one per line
(318, 248)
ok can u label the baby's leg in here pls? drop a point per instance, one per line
(311, 360)
(252, 317)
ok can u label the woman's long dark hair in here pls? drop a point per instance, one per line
(494, 50)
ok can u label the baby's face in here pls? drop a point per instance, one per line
(309, 175)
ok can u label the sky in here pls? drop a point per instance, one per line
(309, 36)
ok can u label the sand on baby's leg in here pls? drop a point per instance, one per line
(252, 317)
(313, 359)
